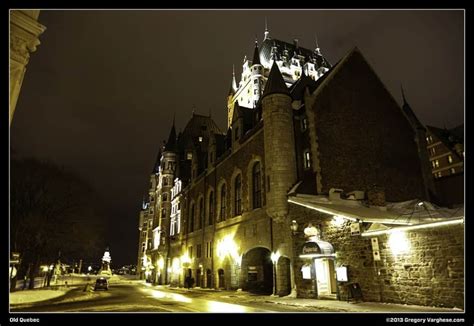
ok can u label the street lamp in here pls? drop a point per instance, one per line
(274, 257)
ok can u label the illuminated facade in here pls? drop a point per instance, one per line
(255, 207)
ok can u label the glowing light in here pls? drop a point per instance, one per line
(415, 227)
(175, 266)
(322, 210)
(89, 268)
(275, 256)
(227, 246)
(214, 306)
(44, 268)
(161, 263)
(398, 243)
(338, 220)
(185, 260)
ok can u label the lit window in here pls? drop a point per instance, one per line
(307, 159)
(257, 186)
(201, 213)
(437, 163)
(191, 219)
(223, 201)
(433, 151)
(189, 156)
(453, 171)
(433, 164)
(238, 195)
(200, 139)
(450, 159)
(440, 174)
(211, 207)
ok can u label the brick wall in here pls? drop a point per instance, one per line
(363, 136)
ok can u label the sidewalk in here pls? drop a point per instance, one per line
(312, 305)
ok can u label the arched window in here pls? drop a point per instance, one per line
(257, 185)
(211, 208)
(223, 202)
(238, 195)
(191, 219)
(201, 213)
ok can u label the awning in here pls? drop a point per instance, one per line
(317, 248)
(404, 213)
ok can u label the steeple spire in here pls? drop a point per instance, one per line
(171, 143)
(275, 83)
(256, 55)
(266, 31)
(317, 50)
(233, 84)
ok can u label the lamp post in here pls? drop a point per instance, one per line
(275, 256)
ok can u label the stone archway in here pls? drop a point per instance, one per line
(208, 278)
(221, 278)
(257, 269)
(283, 276)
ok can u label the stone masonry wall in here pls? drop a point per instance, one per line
(431, 273)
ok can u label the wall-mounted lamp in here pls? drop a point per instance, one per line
(294, 227)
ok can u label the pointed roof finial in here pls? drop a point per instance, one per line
(266, 31)
(256, 55)
(194, 108)
(317, 50)
(233, 84)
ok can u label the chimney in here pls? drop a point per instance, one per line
(376, 196)
(295, 42)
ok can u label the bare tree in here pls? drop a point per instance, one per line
(51, 210)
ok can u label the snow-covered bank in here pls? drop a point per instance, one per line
(30, 296)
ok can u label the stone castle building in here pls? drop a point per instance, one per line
(317, 161)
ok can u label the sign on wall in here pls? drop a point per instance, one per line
(375, 248)
(341, 274)
(355, 228)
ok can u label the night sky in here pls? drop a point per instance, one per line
(100, 92)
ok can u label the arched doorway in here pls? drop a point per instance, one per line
(221, 279)
(198, 277)
(283, 276)
(208, 278)
(258, 271)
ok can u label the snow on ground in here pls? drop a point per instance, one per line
(29, 296)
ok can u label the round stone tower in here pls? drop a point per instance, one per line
(279, 144)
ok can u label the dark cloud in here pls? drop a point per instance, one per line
(100, 93)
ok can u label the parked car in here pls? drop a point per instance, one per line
(101, 284)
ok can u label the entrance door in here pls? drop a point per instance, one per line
(323, 277)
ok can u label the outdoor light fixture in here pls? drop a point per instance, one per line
(420, 203)
(294, 226)
(338, 220)
(275, 256)
(330, 212)
(459, 220)
(398, 243)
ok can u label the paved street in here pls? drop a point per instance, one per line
(136, 296)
